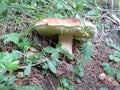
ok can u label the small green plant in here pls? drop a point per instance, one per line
(54, 53)
(10, 62)
(113, 57)
(109, 70)
(65, 82)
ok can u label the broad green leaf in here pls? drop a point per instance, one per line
(109, 70)
(51, 66)
(55, 56)
(12, 65)
(118, 76)
(103, 88)
(12, 56)
(13, 37)
(20, 74)
(24, 43)
(59, 88)
(2, 55)
(114, 58)
(11, 80)
(49, 49)
(30, 88)
(66, 53)
(28, 69)
(77, 79)
(65, 82)
(2, 7)
(71, 87)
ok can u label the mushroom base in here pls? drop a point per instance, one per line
(66, 41)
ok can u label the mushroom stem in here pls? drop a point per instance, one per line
(66, 41)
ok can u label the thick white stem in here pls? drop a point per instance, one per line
(66, 41)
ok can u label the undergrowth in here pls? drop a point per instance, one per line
(17, 18)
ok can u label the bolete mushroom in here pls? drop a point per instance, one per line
(66, 29)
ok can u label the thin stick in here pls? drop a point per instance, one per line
(23, 67)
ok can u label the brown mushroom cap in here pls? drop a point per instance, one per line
(54, 26)
(66, 29)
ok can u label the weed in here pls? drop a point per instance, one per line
(113, 57)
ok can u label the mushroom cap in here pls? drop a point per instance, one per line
(54, 26)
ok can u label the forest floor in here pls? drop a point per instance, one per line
(92, 70)
(95, 77)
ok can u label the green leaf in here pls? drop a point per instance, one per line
(13, 37)
(24, 43)
(55, 56)
(114, 58)
(118, 76)
(65, 82)
(12, 65)
(49, 49)
(117, 88)
(109, 70)
(71, 87)
(2, 55)
(51, 66)
(30, 88)
(66, 53)
(28, 69)
(2, 7)
(103, 88)
(77, 79)
(20, 74)
(91, 13)
(59, 88)
(87, 51)
(11, 80)
(12, 56)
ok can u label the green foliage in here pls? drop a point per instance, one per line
(117, 88)
(30, 88)
(109, 70)
(51, 66)
(27, 71)
(103, 88)
(53, 62)
(115, 56)
(65, 82)
(87, 51)
(10, 62)
(118, 76)
(112, 45)
(13, 37)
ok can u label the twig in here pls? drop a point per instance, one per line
(23, 67)
(50, 82)
(114, 21)
(102, 33)
(101, 9)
